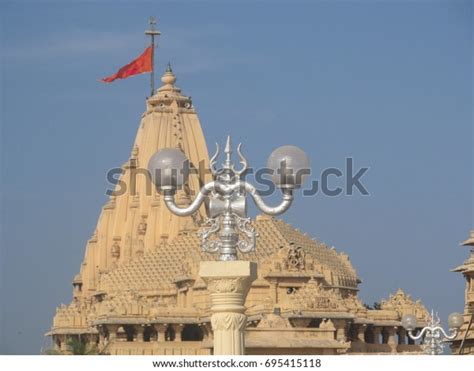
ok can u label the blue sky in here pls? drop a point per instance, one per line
(386, 83)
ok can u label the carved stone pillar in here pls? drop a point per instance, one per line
(391, 338)
(178, 329)
(56, 342)
(228, 283)
(160, 331)
(112, 332)
(361, 333)
(94, 339)
(64, 346)
(340, 330)
(139, 330)
(101, 337)
(376, 331)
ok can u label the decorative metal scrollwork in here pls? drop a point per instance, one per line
(207, 245)
(244, 225)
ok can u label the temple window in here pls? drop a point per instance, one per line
(401, 337)
(192, 332)
(77, 288)
(105, 331)
(252, 324)
(129, 332)
(368, 336)
(148, 333)
(315, 323)
(352, 332)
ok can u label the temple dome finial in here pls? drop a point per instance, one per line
(169, 93)
(168, 77)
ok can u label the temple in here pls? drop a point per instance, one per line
(464, 342)
(138, 289)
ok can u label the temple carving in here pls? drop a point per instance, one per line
(138, 289)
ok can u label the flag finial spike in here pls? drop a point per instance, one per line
(152, 22)
(152, 32)
(168, 68)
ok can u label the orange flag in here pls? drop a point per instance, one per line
(142, 64)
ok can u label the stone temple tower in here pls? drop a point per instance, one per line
(466, 334)
(121, 234)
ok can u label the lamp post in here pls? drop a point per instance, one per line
(433, 335)
(227, 228)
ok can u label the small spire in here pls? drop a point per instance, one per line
(168, 68)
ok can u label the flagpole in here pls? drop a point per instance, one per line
(152, 32)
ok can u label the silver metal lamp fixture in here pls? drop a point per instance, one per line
(433, 335)
(227, 194)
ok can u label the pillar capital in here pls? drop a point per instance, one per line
(228, 321)
(340, 325)
(361, 332)
(178, 328)
(228, 276)
(112, 329)
(160, 329)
